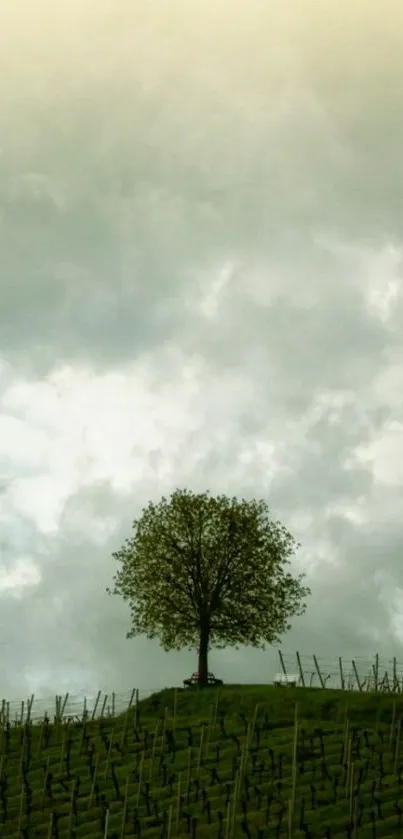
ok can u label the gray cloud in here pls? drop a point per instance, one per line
(200, 286)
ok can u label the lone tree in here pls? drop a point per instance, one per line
(202, 571)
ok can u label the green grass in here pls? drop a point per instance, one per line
(202, 750)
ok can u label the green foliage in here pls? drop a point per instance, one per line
(199, 564)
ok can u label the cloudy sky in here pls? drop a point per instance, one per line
(201, 270)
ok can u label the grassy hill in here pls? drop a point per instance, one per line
(218, 762)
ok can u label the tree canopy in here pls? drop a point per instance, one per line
(202, 572)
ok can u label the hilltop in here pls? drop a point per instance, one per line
(173, 765)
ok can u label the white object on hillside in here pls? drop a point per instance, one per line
(291, 679)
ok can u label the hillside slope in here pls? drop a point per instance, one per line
(174, 765)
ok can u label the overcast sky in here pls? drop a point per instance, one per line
(201, 212)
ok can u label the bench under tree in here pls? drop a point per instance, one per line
(194, 680)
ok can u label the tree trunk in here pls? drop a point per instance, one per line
(203, 654)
